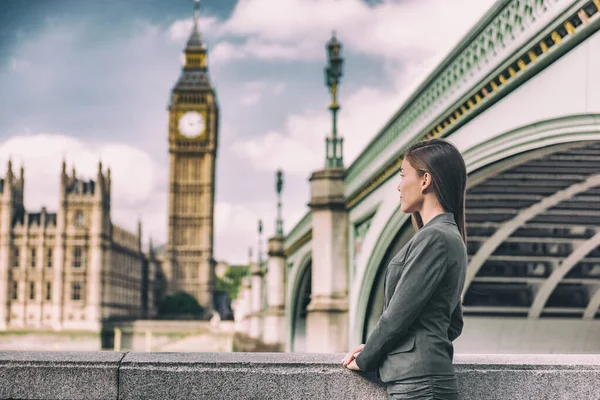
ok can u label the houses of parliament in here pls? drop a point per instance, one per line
(74, 268)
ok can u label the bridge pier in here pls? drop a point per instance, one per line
(242, 307)
(256, 303)
(274, 324)
(327, 312)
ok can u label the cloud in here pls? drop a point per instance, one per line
(253, 91)
(138, 182)
(250, 98)
(19, 64)
(279, 88)
(394, 30)
(264, 50)
(209, 27)
(236, 226)
(298, 148)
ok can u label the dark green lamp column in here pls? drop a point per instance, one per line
(333, 72)
(279, 188)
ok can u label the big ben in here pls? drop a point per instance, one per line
(193, 139)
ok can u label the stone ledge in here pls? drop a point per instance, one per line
(59, 375)
(543, 376)
(242, 376)
(112, 375)
(467, 362)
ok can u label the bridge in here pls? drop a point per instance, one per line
(519, 98)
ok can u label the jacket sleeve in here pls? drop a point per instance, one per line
(456, 323)
(424, 267)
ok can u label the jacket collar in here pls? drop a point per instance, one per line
(441, 218)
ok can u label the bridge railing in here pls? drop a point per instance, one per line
(116, 375)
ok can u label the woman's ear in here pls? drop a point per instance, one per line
(425, 182)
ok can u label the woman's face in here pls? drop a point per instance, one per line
(411, 197)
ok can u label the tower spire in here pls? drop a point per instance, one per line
(195, 57)
(195, 39)
(196, 15)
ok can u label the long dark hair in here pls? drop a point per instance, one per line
(448, 173)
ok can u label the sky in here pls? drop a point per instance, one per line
(89, 81)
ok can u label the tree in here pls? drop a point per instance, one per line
(232, 280)
(180, 304)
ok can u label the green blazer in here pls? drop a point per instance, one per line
(422, 313)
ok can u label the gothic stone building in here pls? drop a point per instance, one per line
(72, 269)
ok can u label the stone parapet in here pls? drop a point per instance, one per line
(59, 375)
(115, 375)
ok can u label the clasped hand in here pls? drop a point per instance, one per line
(350, 360)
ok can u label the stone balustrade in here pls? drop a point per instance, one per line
(116, 375)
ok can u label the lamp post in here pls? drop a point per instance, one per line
(333, 73)
(279, 188)
(259, 252)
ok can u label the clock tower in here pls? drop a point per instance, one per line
(193, 138)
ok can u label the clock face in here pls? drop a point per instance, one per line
(191, 124)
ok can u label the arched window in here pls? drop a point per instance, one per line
(75, 291)
(77, 257)
(16, 258)
(79, 219)
(33, 257)
(49, 257)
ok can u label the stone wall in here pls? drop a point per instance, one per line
(50, 340)
(140, 335)
(116, 375)
(173, 336)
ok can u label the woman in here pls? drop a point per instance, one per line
(411, 345)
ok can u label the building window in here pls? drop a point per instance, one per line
(49, 258)
(48, 291)
(31, 290)
(79, 220)
(15, 290)
(75, 291)
(77, 253)
(33, 258)
(16, 258)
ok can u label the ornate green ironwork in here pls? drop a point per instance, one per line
(333, 72)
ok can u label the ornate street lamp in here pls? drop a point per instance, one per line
(333, 73)
(279, 188)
